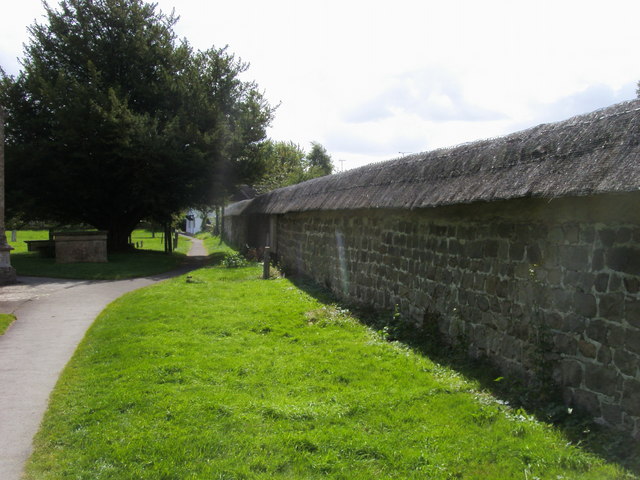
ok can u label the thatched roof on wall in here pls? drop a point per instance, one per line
(584, 155)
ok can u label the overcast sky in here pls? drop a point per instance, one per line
(370, 79)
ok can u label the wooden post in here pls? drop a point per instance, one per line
(266, 263)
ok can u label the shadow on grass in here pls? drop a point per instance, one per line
(216, 258)
(139, 263)
(542, 400)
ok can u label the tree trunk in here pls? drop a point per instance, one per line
(119, 234)
(168, 241)
(216, 230)
(118, 239)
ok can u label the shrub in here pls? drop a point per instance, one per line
(235, 260)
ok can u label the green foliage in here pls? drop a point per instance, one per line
(113, 120)
(319, 160)
(230, 376)
(286, 163)
(235, 260)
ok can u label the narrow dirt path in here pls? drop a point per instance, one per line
(53, 316)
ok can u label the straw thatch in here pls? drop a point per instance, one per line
(585, 155)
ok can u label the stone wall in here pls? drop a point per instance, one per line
(507, 278)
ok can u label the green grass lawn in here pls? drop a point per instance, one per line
(213, 245)
(233, 377)
(148, 260)
(5, 321)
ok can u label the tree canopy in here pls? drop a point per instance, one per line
(113, 120)
(319, 160)
(286, 163)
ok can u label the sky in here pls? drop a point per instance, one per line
(373, 80)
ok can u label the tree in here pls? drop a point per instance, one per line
(319, 160)
(286, 163)
(113, 120)
(281, 165)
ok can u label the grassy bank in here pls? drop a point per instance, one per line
(232, 377)
(149, 259)
(214, 245)
(5, 321)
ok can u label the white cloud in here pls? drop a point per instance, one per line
(430, 94)
(371, 78)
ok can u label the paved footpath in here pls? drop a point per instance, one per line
(53, 316)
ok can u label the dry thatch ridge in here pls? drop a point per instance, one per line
(588, 154)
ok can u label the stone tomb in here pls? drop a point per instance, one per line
(76, 247)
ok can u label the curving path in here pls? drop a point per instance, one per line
(53, 316)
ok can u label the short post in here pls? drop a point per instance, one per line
(14, 235)
(267, 261)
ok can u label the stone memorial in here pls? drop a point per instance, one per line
(76, 247)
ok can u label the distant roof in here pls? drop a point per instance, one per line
(588, 154)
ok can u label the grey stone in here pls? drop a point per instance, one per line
(474, 249)
(615, 283)
(585, 304)
(602, 282)
(624, 259)
(632, 312)
(534, 254)
(623, 235)
(571, 373)
(632, 340)
(607, 237)
(516, 251)
(562, 300)
(565, 343)
(573, 323)
(556, 235)
(587, 349)
(482, 303)
(587, 400)
(632, 284)
(571, 233)
(597, 262)
(573, 257)
(554, 276)
(600, 379)
(604, 355)
(612, 414)
(625, 361)
(553, 320)
(616, 336)
(587, 234)
(597, 330)
(631, 397)
(611, 306)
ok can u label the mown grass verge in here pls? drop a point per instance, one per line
(6, 320)
(149, 259)
(231, 377)
(215, 247)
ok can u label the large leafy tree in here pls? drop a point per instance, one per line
(112, 119)
(285, 163)
(319, 160)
